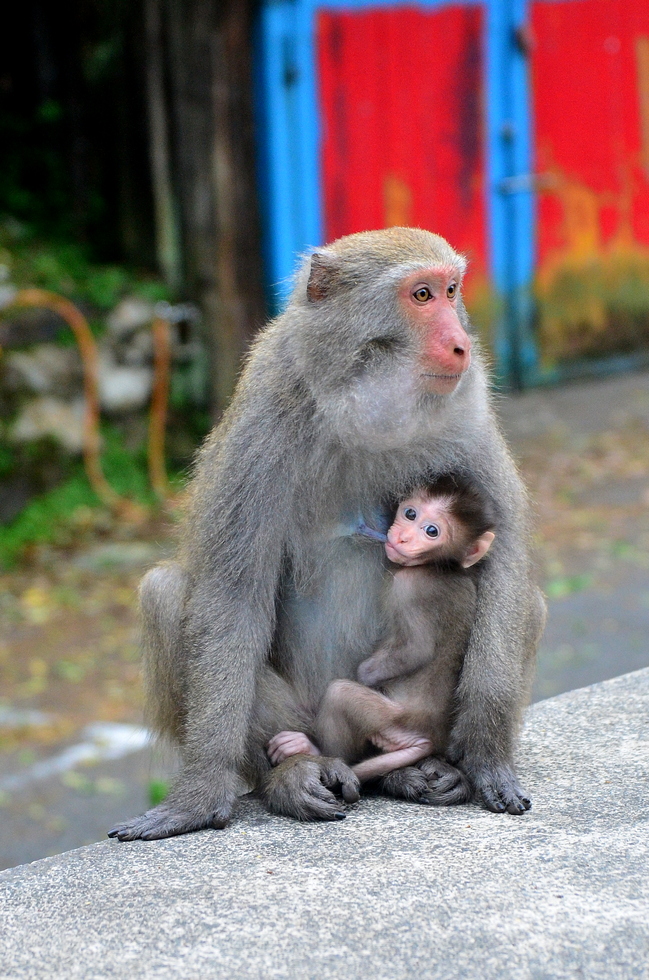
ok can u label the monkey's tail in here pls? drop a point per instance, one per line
(162, 598)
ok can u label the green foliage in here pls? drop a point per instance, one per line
(158, 790)
(49, 111)
(190, 384)
(73, 146)
(65, 267)
(595, 308)
(565, 585)
(50, 518)
(44, 519)
(68, 670)
(485, 309)
(125, 471)
(7, 459)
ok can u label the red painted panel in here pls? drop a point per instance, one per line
(401, 109)
(590, 77)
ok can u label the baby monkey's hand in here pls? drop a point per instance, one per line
(286, 744)
(375, 670)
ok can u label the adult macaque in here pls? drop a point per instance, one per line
(438, 534)
(362, 389)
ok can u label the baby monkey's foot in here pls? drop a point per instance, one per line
(393, 737)
(285, 744)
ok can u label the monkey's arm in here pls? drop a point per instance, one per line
(497, 671)
(233, 545)
(394, 659)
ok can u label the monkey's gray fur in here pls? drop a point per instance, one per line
(267, 603)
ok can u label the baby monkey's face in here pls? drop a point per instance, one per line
(423, 529)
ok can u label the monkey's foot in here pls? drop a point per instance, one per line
(408, 783)
(285, 744)
(431, 781)
(302, 787)
(498, 788)
(167, 820)
(445, 785)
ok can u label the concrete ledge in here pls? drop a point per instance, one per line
(395, 891)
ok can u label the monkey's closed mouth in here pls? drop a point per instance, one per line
(444, 377)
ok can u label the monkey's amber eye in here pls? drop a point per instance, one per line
(451, 290)
(410, 514)
(423, 294)
(432, 530)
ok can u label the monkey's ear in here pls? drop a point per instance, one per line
(478, 549)
(323, 277)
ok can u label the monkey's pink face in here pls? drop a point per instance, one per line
(429, 300)
(421, 527)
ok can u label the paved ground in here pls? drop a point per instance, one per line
(584, 450)
(78, 805)
(396, 891)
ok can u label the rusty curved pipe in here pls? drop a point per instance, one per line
(88, 350)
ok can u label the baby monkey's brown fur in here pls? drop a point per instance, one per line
(429, 609)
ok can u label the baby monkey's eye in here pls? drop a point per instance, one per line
(432, 530)
(423, 294)
(451, 290)
(410, 514)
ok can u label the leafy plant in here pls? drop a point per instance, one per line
(50, 518)
(65, 267)
(565, 585)
(595, 307)
(158, 790)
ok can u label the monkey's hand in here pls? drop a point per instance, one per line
(302, 786)
(376, 669)
(165, 820)
(285, 744)
(445, 785)
(173, 817)
(497, 787)
(500, 790)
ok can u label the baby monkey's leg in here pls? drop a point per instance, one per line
(414, 748)
(352, 715)
(285, 744)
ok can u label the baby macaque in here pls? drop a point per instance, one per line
(403, 701)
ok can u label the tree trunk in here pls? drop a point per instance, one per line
(167, 234)
(210, 75)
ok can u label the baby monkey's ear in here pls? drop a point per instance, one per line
(478, 549)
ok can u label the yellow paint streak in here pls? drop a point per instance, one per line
(397, 202)
(581, 226)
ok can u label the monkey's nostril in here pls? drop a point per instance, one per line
(458, 350)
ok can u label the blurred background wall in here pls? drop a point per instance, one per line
(191, 137)
(518, 130)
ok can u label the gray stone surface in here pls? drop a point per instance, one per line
(395, 891)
